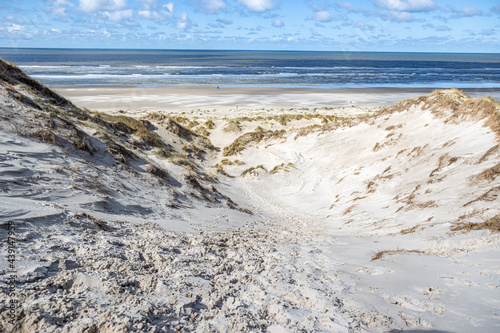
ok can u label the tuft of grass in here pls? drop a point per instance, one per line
(209, 124)
(149, 138)
(158, 172)
(252, 170)
(44, 135)
(129, 125)
(242, 141)
(201, 130)
(232, 126)
(486, 155)
(382, 253)
(282, 167)
(489, 174)
(492, 224)
(229, 162)
(132, 123)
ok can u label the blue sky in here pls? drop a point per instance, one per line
(360, 25)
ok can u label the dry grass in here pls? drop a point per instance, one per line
(233, 126)
(158, 172)
(371, 186)
(229, 162)
(348, 210)
(210, 124)
(242, 141)
(252, 170)
(486, 155)
(490, 195)
(489, 174)
(492, 224)
(134, 124)
(179, 130)
(409, 230)
(453, 105)
(382, 253)
(282, 167)
(201, 130)
(129, 125)
(44, 135)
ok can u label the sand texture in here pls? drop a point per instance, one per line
(310, 217)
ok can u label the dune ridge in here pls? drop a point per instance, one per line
(318, 220)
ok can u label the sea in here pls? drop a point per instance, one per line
(224, 68)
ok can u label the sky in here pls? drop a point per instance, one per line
(359, 25)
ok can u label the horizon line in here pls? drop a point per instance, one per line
(234, 50)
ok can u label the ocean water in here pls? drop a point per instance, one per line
(153, 68)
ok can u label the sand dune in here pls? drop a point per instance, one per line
(315, 219)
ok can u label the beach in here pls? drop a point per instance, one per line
(188, 98)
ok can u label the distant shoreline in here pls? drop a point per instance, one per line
(186, 98)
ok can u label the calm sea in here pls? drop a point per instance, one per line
(257, 68)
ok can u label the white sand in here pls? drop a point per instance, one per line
(302, 261)
(179, 99)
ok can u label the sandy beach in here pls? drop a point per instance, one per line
(185, 99)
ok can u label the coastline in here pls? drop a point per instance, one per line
(187, 98)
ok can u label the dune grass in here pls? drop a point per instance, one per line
(492, 224)
(381, 254)
(252, 170)
(244, 140)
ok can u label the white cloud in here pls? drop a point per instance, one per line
(169, 6)
(470, 11)
(213, 6)
(258, 5)
(278, 23)
(119, 15)
(148, 4)
(94, 5)
(322, 16)
(58, 7)
(406, 5)
(15, 28)
(401, 16)
(150, 15)
(182, 22)
(151, 12)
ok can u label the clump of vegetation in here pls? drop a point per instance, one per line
(191, 148)
(139, 128)
(221, 164)
(492, 224)
(158, 172)
(242, 141)
(229, 162)
(81, 141)
(201, 130)
(252, 170)
(157, 116)
(179, 130)
(489, 174)
(209, 124)
(282, 167)
(44, 135)
(180, 119)
(232, 126)
(380, 254)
